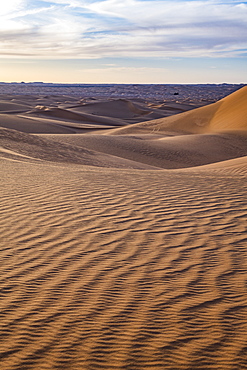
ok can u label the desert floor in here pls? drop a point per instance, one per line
(123, 233)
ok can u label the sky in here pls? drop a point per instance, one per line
(123, 41)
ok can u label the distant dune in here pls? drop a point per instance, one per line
(125, 247)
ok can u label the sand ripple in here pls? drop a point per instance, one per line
(117, 269)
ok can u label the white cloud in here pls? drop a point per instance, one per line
(122, 28)
(9, 6)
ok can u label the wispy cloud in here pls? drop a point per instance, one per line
(121, 28)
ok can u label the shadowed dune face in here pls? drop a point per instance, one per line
(123, 248)
(169, 152)
(15, 145)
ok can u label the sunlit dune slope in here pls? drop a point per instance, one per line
(232, 112)
(228, 114)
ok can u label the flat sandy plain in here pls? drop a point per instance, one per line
(123, 233)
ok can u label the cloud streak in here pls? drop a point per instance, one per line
(86, 29)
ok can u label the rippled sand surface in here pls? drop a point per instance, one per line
(110, 261)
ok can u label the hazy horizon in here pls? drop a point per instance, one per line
(115, 83)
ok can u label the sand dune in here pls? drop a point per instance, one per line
(165, 152)
(11, 107)
(232, 113)
(32, 125)
(61, 114)
(228, 114)
(118, 108)
(123, 248)
(18, 144)
(70, 115)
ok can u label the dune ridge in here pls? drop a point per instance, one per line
(117, 263)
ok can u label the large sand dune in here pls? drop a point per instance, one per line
(228, 114)
(123, 248)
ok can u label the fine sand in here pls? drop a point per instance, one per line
(123, 233)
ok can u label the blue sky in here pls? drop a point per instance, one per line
(123, 41)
